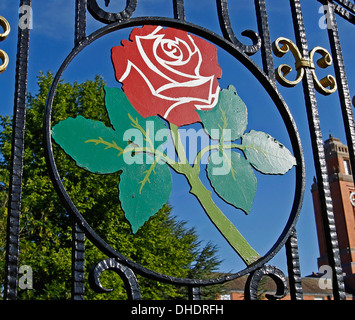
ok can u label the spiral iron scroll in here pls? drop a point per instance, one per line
(227, 30)
(109, 17)
(251, 287)
(127, 275)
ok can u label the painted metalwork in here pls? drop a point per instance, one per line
(283, 45)
(269, 87)
(266, 76)
(3, 55)
(103, 150)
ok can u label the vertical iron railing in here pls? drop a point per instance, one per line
(16, 171)
(319, 155)
(78, 249)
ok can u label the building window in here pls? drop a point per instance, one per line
(347, 166)
(226, 297)
(318, 298)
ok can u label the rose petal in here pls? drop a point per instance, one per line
(183, 114)
(168, 72)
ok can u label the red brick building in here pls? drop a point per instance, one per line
(343, 195)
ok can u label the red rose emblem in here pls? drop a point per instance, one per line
(168, 72)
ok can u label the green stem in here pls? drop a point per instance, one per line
(204, 196)
(222, 223)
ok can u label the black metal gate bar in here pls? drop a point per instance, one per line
(78, 241)
(264, 33)
(194, 293)
(80, 20)
(344, 14)
(319, 156)
(342, 82)
(16, 170)
(346, 4)
(179, 9)
(295, 284)
(78, 263)
(293, 266)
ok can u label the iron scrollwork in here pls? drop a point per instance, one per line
(109, 17)
(227, 30)
(251, 287)
(3, 55)
(325, 86)
(127, 275)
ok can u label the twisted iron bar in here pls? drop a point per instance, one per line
(293, 266)
(16, 169)
(344, 13)
(347, 5)
(318, 154)
(346, 9)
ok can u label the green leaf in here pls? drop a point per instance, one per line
(228, 120)
(143, 190)
(100, 149)
(266, 154)
(232, 178)
(90, 143)
(124, 118)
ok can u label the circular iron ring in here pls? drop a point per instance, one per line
(264, 81)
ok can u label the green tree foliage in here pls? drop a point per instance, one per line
(163, 244)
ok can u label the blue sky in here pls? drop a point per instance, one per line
(52, 38)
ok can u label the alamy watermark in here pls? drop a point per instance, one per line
(26, 17)
(325, 22)
(193, 142)
(326, 280)
(26, 279)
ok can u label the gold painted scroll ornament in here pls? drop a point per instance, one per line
(3, 55)
(325, 86)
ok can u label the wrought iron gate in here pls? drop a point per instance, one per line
(268, 78)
